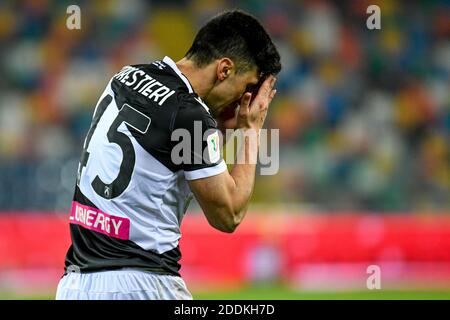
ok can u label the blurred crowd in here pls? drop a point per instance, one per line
(364, 115)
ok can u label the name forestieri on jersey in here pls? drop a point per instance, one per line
(144, 84)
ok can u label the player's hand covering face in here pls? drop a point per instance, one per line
(251, 109)
(228, 116)
(229, 86)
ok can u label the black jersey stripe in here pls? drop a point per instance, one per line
(92, 251)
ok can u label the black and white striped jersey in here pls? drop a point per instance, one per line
(132, 192)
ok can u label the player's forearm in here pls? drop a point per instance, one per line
(224, 198)
(243, 173)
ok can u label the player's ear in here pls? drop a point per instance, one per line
(224, 68)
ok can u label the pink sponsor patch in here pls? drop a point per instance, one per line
(96, 220)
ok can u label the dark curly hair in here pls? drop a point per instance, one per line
(239, 36)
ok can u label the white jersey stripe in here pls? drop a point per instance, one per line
(172, 64)
(206, 172)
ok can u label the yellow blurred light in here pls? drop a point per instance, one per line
(173, 30)
(329, 72)
(7, 23)
(392, 40)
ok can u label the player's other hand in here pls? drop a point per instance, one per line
(252, 112)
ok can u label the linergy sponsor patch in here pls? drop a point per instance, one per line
(96, 220)
(213, 147)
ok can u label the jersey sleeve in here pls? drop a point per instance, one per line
(198, 146)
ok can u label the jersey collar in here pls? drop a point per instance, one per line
(173, 65)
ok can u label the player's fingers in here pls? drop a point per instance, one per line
(264, 87)
(272, 85)
(271, 95)
(245, 103)
(268, 85)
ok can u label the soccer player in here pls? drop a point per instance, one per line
(132, 191)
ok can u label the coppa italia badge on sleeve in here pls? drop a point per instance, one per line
(213, 147)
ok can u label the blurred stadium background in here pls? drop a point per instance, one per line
(364, 119)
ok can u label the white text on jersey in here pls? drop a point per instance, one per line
(144, 84)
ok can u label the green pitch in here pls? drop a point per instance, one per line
(278, 292)
(281, 293)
